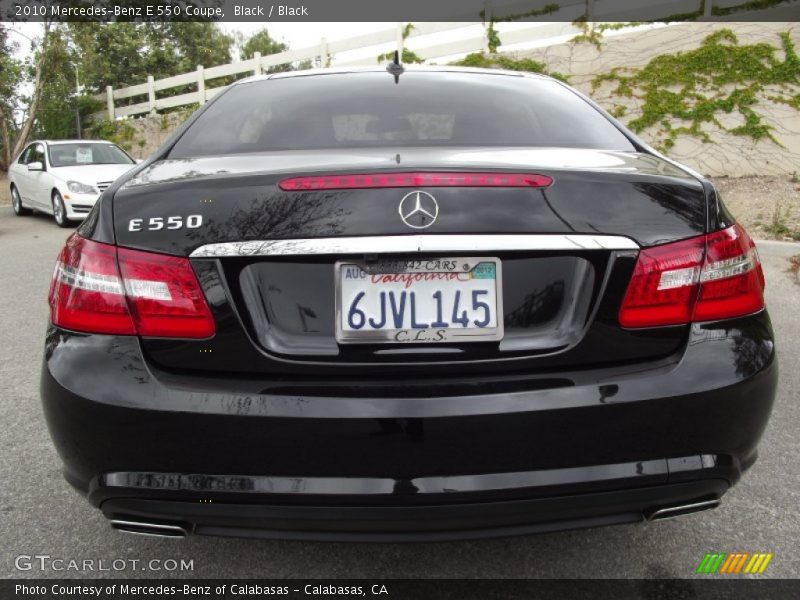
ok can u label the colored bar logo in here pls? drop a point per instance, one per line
(734, 563)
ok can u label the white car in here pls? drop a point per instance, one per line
(64, 178)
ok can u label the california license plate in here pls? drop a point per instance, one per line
(426, 301)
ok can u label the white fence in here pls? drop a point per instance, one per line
(425, 39)
(322, 54)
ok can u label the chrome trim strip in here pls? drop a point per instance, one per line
(391, 244)
(156, 529)
(374, 486)
(671, 512)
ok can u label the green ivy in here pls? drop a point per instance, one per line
(89, 105)
(407, 56)
(184, 112)
(752, 5)
(501, 61)
(493, 41)
(172, 118)
(119, 132)
(749, 5)
(547, 9)
(618, 111)
(594, 34)
(695, 86)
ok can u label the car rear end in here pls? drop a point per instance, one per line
(403, 331)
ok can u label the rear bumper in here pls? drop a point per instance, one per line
(414, 523)
(222, 456)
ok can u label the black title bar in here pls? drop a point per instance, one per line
(397, 589)
(398, 10)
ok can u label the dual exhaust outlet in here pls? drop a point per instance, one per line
(178, 530)
(151, 529)
(677, 510)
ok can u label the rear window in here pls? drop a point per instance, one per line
(356, 110)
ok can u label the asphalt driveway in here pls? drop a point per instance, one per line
(41, 515)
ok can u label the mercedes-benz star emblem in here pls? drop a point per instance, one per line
(418, 209)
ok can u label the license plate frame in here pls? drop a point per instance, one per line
(451, 335)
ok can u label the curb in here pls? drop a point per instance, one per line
(778, 243)
(778, 248)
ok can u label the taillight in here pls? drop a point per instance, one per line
(732, 281)
(164, 296)
(86, 293)
(98, 288)
(707, 278)
(663, 287)
(419, 179)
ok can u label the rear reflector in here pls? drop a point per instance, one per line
(98, 288)
(422, 179)
(707, 278)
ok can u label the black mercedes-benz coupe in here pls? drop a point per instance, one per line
(431, 304)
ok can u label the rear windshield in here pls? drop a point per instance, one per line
(356, 110)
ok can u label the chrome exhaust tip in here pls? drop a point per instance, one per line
(150, 529)
(677, 510)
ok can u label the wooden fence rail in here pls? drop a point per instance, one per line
(421, 40)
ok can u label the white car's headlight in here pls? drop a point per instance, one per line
(76, 187)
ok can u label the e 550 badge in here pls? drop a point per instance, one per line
(157, 223)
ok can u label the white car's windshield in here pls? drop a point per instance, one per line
(77, 154)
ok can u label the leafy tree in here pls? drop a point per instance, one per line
(56, 115)
(191, 44)
(38, 95)
(110, 53)
(125, 53)
(10, 78)
(261, 42)
(20, 110)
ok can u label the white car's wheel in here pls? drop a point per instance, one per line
(60, 210)
(16, 203)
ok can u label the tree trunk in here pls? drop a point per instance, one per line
(25, 130)
(5, 136)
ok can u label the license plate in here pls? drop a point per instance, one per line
(427, 301)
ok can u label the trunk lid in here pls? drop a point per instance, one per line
(618, 193)
(276, 313)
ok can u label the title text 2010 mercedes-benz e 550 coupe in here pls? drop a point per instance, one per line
(459, 304)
